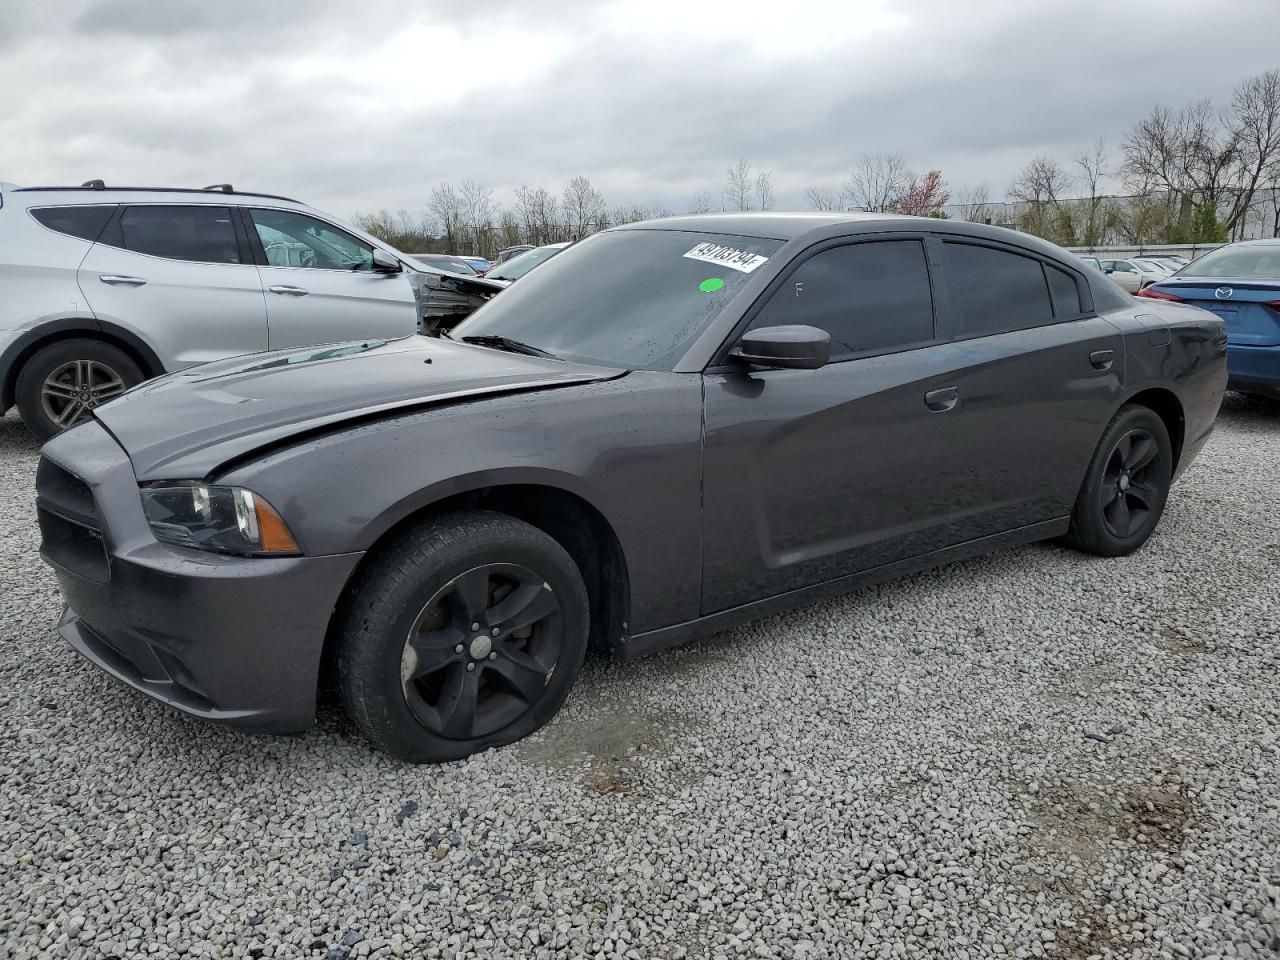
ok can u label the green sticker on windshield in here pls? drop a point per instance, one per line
(711, 285)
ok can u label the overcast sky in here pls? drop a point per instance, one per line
(364, 104)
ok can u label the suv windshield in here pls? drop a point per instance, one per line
(1246, 262)
(626, 298)
(518, 266)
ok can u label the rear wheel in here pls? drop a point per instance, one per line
(62, 382)
(465, 634)
(1126, 486)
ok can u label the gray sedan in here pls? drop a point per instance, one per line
(670, 428)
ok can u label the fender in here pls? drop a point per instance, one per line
(31, 340)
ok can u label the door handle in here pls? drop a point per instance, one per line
(942, 399)
(288, 291)
(118, 281)
(1102, 359)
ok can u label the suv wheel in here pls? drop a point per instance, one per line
(466, 633)
(62, 382)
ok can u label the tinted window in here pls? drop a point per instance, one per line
(996, 290)
(1063, 290)
(868, 296)
(627, 298)
(83, 222)
(203, 234)
(296, 240)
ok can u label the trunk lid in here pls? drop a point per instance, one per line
(1250, 308)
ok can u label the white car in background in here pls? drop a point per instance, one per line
(1133, 275)
(104, 287)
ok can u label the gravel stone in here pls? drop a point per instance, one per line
(1033, 754)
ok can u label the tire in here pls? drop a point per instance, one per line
(61, 383)
(1126, 486)
(434, 584)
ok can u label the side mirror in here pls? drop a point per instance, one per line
(1108, 269)
(384, 262)
(788, 347)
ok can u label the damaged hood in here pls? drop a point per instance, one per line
(186, 425)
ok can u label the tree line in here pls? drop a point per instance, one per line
(1201, 173)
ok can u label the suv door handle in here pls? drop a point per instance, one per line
(942, 399)
(288, 291)
(118, 281)
(1102, 359)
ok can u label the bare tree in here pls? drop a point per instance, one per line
(764, 189)
(739, 186)
(1093, 168)
(876, 182)
(702, 202)
(583, 208)
(822, 198)
(477, 206)
(1254, 118)
(537, 209)
(446, 208)
(1040, 188)
(975, 203)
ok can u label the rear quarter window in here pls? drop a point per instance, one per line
(83, 222)
(1063, 291)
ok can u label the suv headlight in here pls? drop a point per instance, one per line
(216, 518)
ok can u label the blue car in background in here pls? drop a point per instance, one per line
(1240, 283)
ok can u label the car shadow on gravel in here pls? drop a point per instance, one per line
(1249, 409)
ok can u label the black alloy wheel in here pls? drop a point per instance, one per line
(481, 651)
(1125, 486)
(1128, 494)
(461, 633)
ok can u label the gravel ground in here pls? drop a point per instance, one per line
(1034, 754)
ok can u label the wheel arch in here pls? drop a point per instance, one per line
(568, 518)
(69, 328)
(1166, 405)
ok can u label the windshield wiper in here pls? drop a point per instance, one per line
(506, 343)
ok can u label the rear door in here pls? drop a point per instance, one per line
(320, 283)
(1037, 375)
(182, 278)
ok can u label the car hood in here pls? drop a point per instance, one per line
(186, 425)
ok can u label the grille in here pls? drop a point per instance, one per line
(70, 532)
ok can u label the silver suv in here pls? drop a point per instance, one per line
(104, 287)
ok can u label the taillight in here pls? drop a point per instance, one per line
(1274, 304)
(1160, 295)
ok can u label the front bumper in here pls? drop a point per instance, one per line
(230, 639)
(1254, 369)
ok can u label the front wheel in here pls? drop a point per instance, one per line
(1126, 486)
(465, 633)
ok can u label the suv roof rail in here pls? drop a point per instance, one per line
(219, 187)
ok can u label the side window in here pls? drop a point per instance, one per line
(83, 222)
(1063, 291)
(297, 240)
(997, 290)
(1123, 266)
(199, 233)
(869, 296)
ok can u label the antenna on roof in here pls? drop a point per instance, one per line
(223, 187)
(95, 184)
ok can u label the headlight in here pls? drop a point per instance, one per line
(221, 519)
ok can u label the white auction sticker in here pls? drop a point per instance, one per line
(741, 260)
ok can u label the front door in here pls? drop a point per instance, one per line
(809, 475)
(321, 286)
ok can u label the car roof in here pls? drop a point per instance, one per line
(820, 226)
(111, 194)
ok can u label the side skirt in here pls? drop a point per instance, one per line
(652, 641)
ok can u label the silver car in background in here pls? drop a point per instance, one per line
(104, 287)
